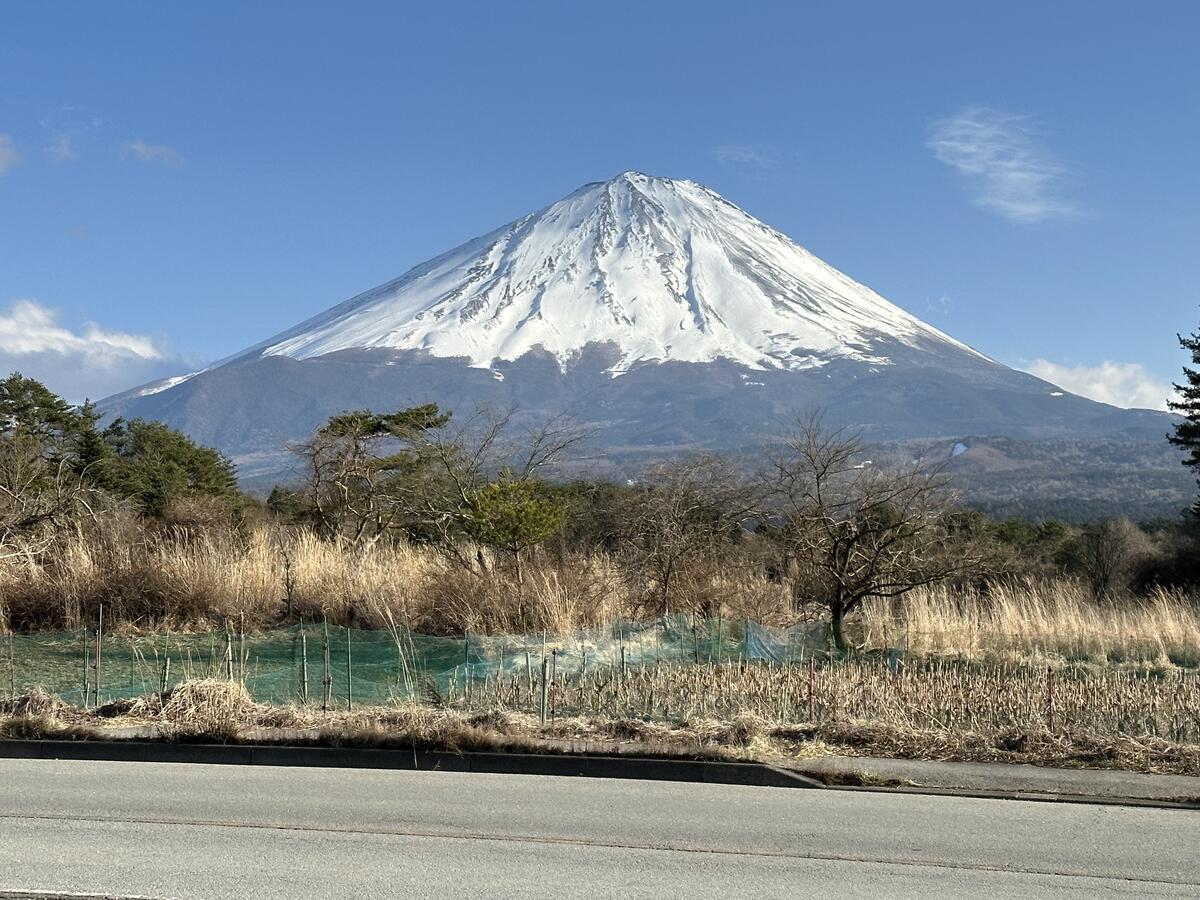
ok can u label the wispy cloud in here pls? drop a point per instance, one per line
(1007, 171)
(1121, 384)
(154, 154)
(73, 120)
(744, 155)
(60, 149)
(69, 126)
(9, 156)
(88, 362)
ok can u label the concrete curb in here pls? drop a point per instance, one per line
(702, 771)
(551, 764)
(1035, 796)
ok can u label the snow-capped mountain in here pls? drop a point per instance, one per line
(651, 309)
(659, 269)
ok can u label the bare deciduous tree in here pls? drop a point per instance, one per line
(40, 497)
(689, 510)
(1108, 553)
(852, 530)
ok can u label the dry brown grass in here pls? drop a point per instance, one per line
(921, 714)
(169, 580)
(1055, 619)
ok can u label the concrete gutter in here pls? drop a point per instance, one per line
(708, 772)
(999, 781)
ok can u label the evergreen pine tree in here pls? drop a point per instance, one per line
(1187, 404)
(91, 454)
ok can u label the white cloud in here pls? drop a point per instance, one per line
(60, 149)
(90, 362)
(155, 154)
(9, 156)
(743, 155)
(1007, 172)
(1121, 384)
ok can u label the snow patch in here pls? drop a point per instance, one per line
(660, 269)
(165, 384)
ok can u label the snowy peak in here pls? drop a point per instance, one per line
(658, 268)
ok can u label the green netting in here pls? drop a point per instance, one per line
(289, 664)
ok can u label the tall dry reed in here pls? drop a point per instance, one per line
(1057, 619)
(148, 580)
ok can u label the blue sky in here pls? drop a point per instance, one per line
(177, 182)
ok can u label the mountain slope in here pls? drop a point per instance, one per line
(660, 269)
(652, 309)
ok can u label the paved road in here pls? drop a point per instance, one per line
(176, 830)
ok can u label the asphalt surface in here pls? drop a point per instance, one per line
(179, 830)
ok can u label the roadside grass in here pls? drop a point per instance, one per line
(162, 582)
(1145, 724)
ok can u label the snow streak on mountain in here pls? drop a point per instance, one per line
(663, 270)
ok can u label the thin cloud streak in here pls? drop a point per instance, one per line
(1127, 385)
(743, 155)
(1007, 172)
(61, 151)
(9, 157)
(154, 154)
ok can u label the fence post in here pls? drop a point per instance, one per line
(326, 676)
(303, 667)
(545, 686)
(1050, 698)
(812, 676)
(349, 675)
(87, 686)
(554, 681)
(99, 650)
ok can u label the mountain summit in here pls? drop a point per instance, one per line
(657, 268)
(664, 317)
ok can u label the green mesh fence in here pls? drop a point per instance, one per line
(311, 661)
